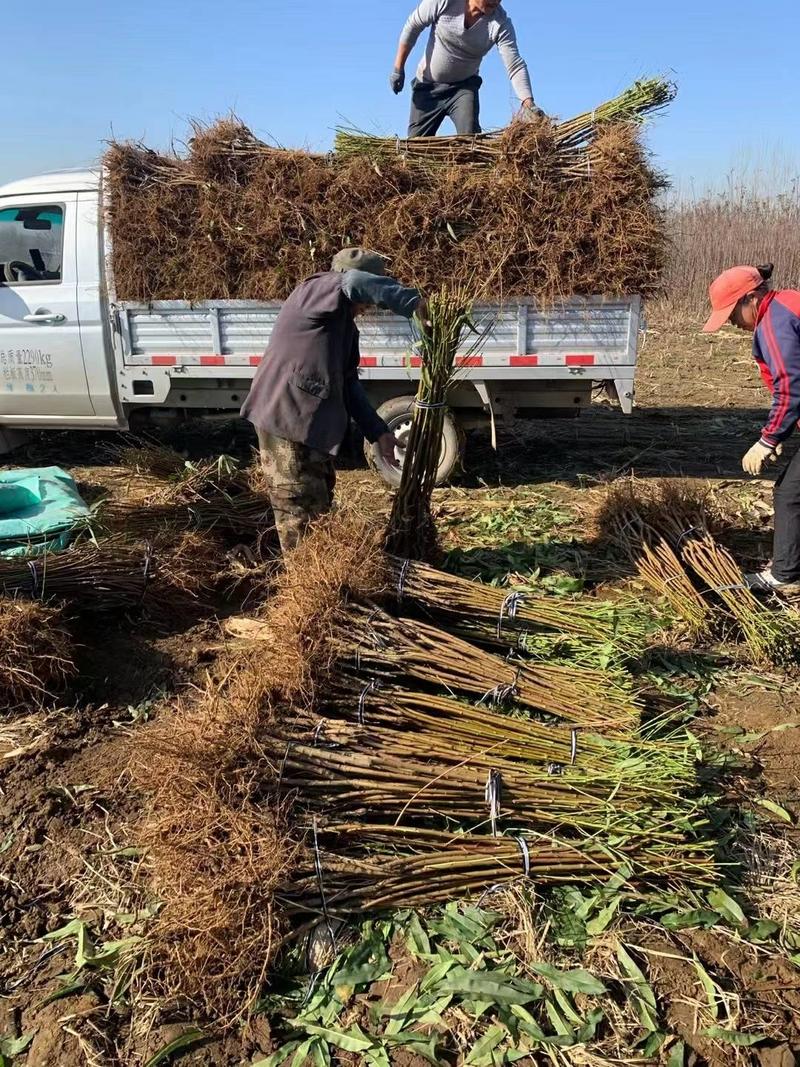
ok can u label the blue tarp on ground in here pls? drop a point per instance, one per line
(40, 510)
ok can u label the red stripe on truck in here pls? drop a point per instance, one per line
(580, 361)
(212, 361)
(255, 360)
(524, 361)
(469, 361)
(164, 361)
(369, 361)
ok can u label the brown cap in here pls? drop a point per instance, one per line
(358, 259)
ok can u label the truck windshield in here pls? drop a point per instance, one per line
(31, 244)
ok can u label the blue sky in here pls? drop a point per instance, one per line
(75, 73)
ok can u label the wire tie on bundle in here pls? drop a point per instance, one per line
(401, 581)
(499, 695)
(729, 589)
(148, 559)
(283, 763)
(379, 642)
(371, 687)
(574, 745)
(318, 731)
(522, 845)
(323, 901)
(555, 769)
(686, 534)
(509, 608)
(494, 796)
(423, 405)
(34, 578)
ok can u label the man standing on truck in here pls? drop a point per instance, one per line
(306, 388)
(742, 296)
(447, 82)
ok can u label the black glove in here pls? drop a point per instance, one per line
(397, 80)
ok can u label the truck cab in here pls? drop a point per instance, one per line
(55, 369)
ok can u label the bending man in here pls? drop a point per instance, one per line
(306, 388)
(447, 81)
(742, 296)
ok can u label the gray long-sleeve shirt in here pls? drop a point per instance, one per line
(454, 53)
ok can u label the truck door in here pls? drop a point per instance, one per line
(41, 357)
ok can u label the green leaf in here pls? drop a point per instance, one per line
(604, 918)
(727, 907)
(437, 973)
(417, 1043)
(677, 1055)
(378, 1057)
(399, 1012)
(567, 1007)
(416, 937)
(735, 1037)
(781, 814)
(489, 988)
(361, 965)
(762, 930)
(577, 981)
(72, 929)
(481, 1052)
(354, 1040)
(653, 1044)
(559, 1024)
(14, 1046)
(683, 920)
(64, 991)
(303, 1052)
(644, 999)
(180, 1044)
(708, 985)
(277, 1058)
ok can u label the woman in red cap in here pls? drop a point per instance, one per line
(742, 296)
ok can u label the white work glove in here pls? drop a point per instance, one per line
(754, 460)
(387, 443)
(397, 80)
(531, 112)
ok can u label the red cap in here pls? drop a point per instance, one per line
(726, 292)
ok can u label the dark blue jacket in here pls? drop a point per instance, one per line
(776, 347)
(306, 388)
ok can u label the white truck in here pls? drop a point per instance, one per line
(73, 356)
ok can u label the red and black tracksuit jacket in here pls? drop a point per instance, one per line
(776, 347)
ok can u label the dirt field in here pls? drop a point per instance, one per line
(67, 847)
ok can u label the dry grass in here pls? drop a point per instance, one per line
(218, 840)
(36, 655)
(741, 223)
(257, 220)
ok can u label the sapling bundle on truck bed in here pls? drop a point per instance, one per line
(542, 210)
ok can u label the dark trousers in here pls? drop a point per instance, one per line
(433, 102)
(786, 551)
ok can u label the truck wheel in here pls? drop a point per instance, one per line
(397, 415)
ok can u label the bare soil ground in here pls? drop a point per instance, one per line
(66, 806)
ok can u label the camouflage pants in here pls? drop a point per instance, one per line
(300, 483)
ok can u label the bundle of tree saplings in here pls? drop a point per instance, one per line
(669, 528)
(573, 137)
(559, 210)
(379, 645)
(390, 763)
(505, 614)
(446, 319)
(400, 774)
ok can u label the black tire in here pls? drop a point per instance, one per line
(397, 414)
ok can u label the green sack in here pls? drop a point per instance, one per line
(40, 511)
